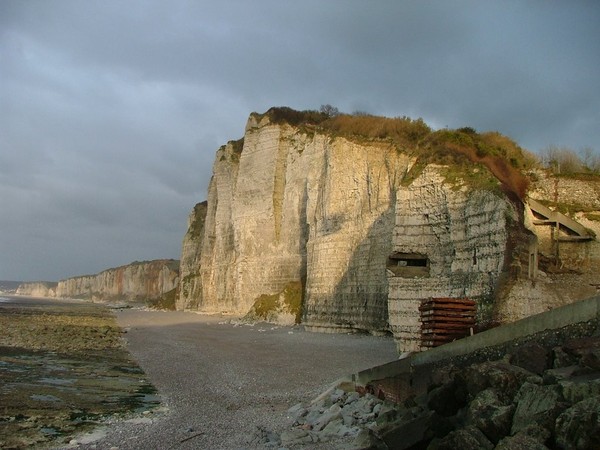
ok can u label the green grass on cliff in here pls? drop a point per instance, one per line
(198, 218)
(461, 149)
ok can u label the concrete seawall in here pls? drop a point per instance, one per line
(578, 312)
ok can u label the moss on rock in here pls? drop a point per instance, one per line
(284, 307)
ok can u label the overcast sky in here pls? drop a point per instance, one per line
(111, 111)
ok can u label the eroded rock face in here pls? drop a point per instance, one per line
(190, 286)
(136, 281)
(38, 289)
(457, 240)
(290, 206)
(294, 207)
(579, 426)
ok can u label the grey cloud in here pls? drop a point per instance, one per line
(111, 112)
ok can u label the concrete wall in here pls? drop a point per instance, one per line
(581, 311)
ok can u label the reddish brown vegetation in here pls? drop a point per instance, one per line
(502, 156)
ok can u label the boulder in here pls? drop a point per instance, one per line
(553, 376)
(560, 358)
(578, 347)
(297, 413)
(417, 432)
(333, 413)
(579, 388)
(296, 437)
(501, 375)
(578, 427)
(447, 399)
(591, 359)
(489, 414)
(532, 437)
(468, 438)
(532, 357)
(367, 440)
(539, 405)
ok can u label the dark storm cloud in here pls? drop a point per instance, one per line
(110, 111)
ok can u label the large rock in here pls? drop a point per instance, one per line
(500, 375)
(533, 437)
(532, 357)
(447, 399)
(417, 432)
(468, 438)
(536, 404)
(489, 414)
(578, 427)
(580, 387)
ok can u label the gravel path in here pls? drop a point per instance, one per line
(220, 381)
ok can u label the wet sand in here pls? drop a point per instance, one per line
(63, 368)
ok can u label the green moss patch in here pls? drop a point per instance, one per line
(165, 301)
(271, 307)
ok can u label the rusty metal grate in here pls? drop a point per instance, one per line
(444, 320)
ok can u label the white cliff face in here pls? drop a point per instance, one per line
(136, 281)
(37, 289)
(459, 235)
(190, 286)
(296, 206)
(293, 206)
(350, 212)
(366, 238)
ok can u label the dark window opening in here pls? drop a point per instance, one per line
(417, 262)
(408, 264)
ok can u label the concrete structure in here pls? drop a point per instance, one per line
(578, 312)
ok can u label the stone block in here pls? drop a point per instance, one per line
(539, 405)
(578, 427)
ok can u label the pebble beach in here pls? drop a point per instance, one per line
(220, 384)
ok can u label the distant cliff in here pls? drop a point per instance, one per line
(134, 282)
(351, 222)
(37, 289)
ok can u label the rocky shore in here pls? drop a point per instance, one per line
(535, 397)
(63, 370)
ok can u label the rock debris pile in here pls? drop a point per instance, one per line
(336, 415)
(534, 398)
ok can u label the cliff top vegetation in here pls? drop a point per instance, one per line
(172, 264)
(461, 147)
(565, 162)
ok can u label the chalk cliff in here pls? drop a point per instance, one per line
(37, 289)
(190, 287)
(134, 282)
(351, 223)
(290, 203)
(286, 206)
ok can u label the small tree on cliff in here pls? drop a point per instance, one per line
(329, 110)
